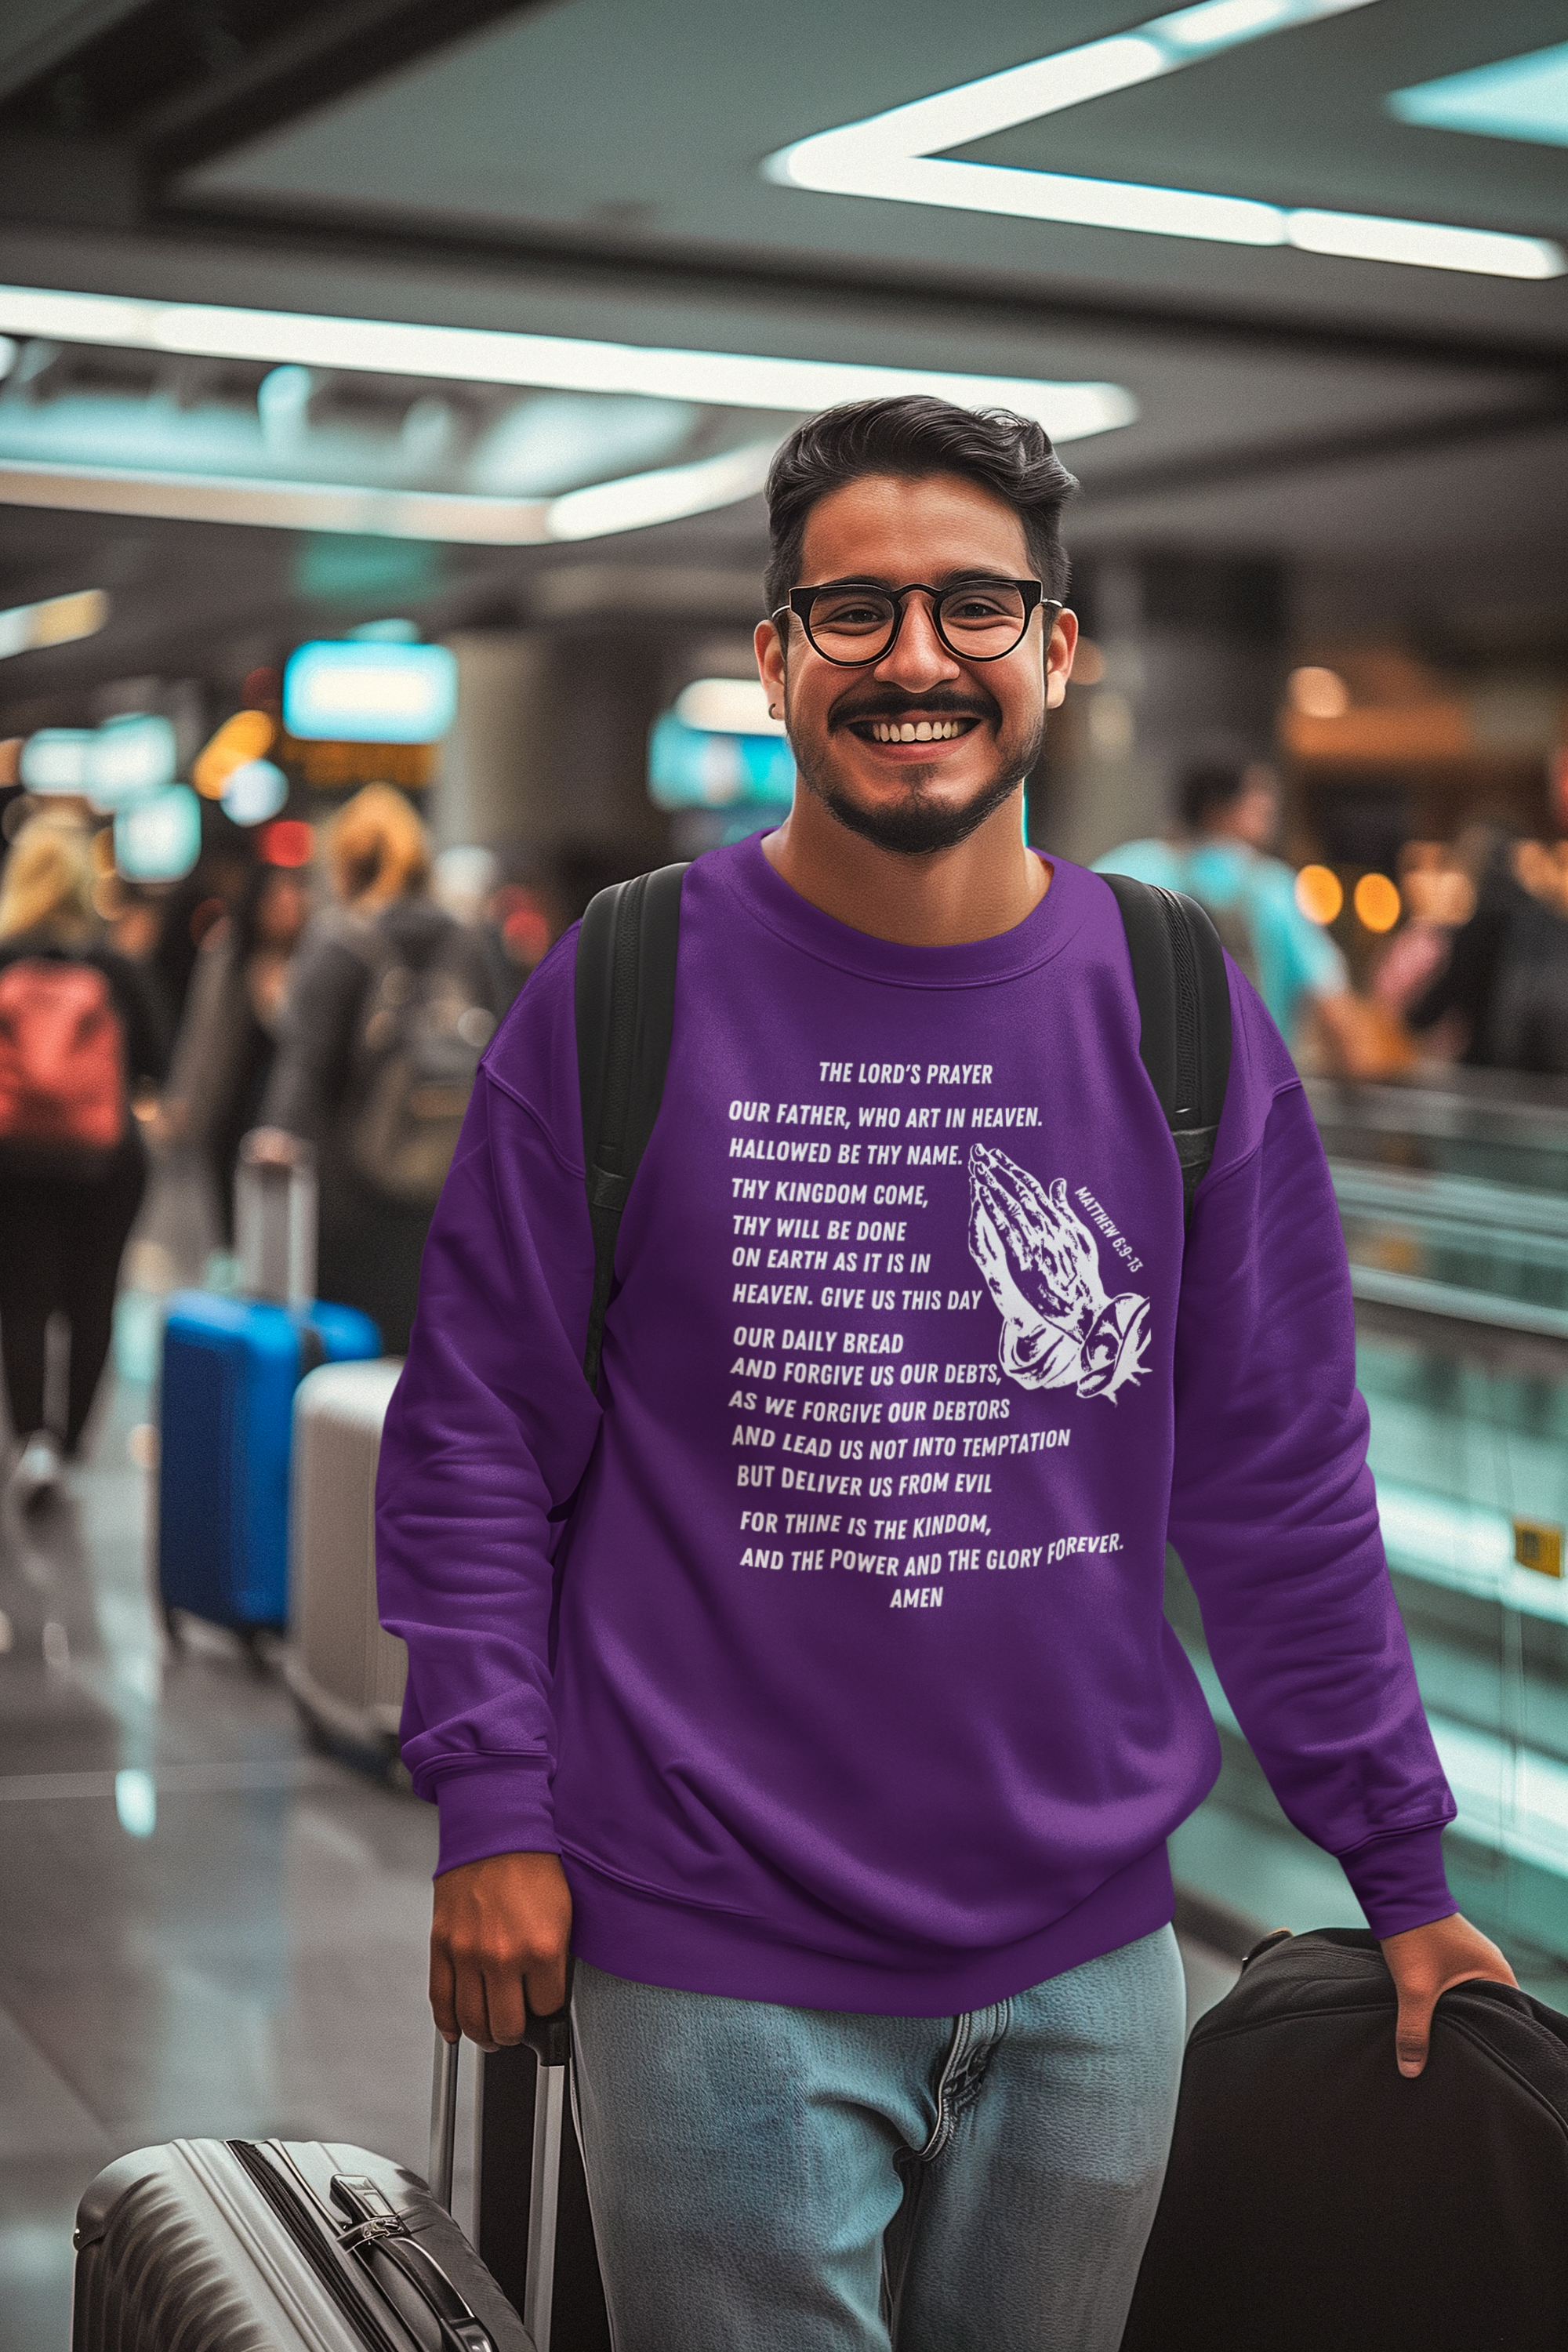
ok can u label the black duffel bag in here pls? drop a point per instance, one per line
(1317, 2201)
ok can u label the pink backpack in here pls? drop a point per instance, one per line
(62, 1063)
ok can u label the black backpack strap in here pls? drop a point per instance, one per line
(1184, 1009)
(626, 1017)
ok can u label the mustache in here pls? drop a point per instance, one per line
(853, 708)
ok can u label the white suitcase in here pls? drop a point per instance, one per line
(346, 1675)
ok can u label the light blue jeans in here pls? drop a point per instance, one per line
(772, 2180)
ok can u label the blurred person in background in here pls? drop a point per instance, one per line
(134, 927)
(390, 1003)
(1438, 895)
(1526, 1023)
(79, 1031)
(463, 883)
(1229, 810)
(228, 1038)
(1500, 1000)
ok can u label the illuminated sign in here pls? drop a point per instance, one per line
(129, 758)
(688, 767)
(727, 705)
(56, 759)
(361, 693)
(159, 839)
(255, 792)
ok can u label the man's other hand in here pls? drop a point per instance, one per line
(1424, 1963)
(498, 1947)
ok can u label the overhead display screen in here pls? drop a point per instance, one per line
(359, 693)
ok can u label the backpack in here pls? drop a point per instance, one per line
(421, 1031)
(1317, 2201)
(624, 1008)
(62, 1067)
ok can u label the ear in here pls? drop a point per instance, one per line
(770, 650)
(1060, 651)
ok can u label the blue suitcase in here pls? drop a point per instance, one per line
(230, 1369)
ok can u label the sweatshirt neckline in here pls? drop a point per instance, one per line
(769, 900)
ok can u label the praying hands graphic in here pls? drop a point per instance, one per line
(1041, 1265)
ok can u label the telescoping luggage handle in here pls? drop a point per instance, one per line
(549, 2039)
(275, 1221)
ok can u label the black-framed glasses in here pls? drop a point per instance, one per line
(854, 621)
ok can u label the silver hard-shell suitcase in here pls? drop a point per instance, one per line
(211, 2245)
(346, 1674)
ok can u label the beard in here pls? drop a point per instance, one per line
(918, 823)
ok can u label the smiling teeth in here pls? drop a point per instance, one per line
(915, 731)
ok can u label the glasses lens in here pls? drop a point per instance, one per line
(851, 625)
(982, 619)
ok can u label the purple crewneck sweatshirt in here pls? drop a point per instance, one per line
(844, 1682)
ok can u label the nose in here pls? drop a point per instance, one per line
(917, 659)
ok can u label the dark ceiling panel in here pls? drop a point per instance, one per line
(1299, 119)
(35, 34)
(640, 134)
(92, 131)
(183, 82)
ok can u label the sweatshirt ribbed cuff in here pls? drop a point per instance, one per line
(1398, 1879)
(499, 1808)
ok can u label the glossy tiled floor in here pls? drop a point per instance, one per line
(205, 1929)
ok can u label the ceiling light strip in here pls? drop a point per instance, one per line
(58, 621)
(894, 156)
(637, 502)
(1069, 410)
(276, 506)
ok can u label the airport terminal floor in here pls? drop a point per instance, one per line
(207, 1928)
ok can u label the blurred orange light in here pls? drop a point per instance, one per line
(289, 841)
(1318, 693)
(1376, 902)
(1319, 894)
(1088, 663)
(249, 735)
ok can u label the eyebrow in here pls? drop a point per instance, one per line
(943, 580)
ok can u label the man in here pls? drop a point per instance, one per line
(1229, 809)
(839, 1728)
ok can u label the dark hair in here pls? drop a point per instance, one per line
(1214, 781)
(1009, 455)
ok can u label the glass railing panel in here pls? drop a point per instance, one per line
(1462, 1356)
(1486, 1242)
(1489, 1125)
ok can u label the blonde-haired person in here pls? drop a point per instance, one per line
(78, 1032)
(390, 1002)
